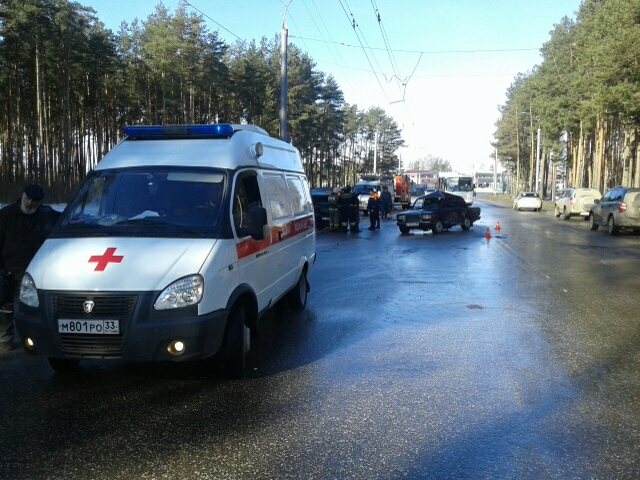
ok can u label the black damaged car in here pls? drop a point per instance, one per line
(438, 211)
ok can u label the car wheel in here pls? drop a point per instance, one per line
(298, 296)
(566, 214)
(236, 343)
(466, 224)
(404, 230)
(64, 365)
(592, 223)
(557, 212)
(611, 226)
(438, 227)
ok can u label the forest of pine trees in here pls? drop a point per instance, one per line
(68, 86)
(584, 98)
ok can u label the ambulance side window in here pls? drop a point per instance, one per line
(246, 195)
(299, 199)
(278, 198)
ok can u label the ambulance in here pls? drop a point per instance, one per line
(177, 243)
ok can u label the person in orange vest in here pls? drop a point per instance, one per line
(373, 205)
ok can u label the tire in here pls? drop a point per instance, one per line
(64, 365)
(236, 343)
(466, 224)
(438, 227)
(592, 223)
(611, 226)
(566, 215)
(557, 212)
(404, 230)
(297, 298)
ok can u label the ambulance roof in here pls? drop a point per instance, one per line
(217, 145)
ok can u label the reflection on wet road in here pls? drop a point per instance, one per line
(418, 356)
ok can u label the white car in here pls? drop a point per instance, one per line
(576, 202)
(527, 201)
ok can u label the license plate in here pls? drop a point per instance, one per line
(412, 224)
(93, 327)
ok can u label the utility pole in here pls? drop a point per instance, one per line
(284, 35)
(536, 189)
(375, 154)
(495, 173)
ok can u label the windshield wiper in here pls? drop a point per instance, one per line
(143, 222)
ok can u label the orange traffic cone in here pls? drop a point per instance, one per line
(488, 234)
(497, 225)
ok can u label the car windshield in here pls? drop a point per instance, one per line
(361, 188)
(427, 203)
(159, 201)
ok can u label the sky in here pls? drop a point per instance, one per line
(439, 68)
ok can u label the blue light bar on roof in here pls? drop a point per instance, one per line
(218, 130)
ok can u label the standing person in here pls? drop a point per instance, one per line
(354, 215)
(24, 226)
(373, 205)
(385, 200)
(344, 205)
(350, 218)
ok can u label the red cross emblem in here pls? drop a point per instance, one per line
(105, 259)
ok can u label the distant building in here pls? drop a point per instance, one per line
(428, 178)
(484, 180)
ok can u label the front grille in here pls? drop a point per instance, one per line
(105, 307)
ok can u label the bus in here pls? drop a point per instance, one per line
(458, 184)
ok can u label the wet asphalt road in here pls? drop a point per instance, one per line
(418, 356)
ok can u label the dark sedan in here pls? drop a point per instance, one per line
(438, 211)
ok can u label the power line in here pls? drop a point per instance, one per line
(220, 25)
(354, 24)
(432, 52)
(385, 39)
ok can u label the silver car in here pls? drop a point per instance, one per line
(619, 208)
(576, 202)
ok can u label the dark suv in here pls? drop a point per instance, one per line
(619, 208)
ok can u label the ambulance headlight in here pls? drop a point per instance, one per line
(181, 293)
(28, 291)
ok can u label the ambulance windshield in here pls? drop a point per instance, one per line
(161, 200)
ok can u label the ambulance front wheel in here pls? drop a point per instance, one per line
(236, 343)
(298, 296)
(64, 365)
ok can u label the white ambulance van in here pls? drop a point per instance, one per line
(174, 247)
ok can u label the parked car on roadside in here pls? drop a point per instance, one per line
(619, 208)
(363, 188)
(527, 201)
(320, 200)
(576, 202)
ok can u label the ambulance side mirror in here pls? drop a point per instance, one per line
(257, 223)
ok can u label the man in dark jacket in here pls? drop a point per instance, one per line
(386, 201)
(24, 226)
(373, 205)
